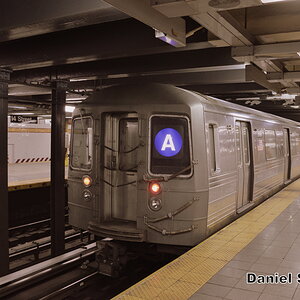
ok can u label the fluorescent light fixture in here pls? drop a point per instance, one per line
(23, 113)
(77, 79)
(295, 106)
(271, 1)
(77, 98)
(69, 109)
(165, 38)
(18, 107)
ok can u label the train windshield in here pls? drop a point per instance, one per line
(170, 145)
(81, 152)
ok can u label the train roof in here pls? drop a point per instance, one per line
(211, 101)
(143, 94)
(160, 94)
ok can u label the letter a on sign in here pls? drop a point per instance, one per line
(168, 143)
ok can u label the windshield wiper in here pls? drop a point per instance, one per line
(167, 178)
(170, 177)
(124, 152)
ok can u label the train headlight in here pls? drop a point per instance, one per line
(87, 195)
(87, 180)
(154, 188)
(155, 203)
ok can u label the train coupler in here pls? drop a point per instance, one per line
(111, 257)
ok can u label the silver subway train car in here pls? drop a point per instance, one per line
(156, 164)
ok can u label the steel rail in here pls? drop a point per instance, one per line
(25, 226)
(45, 221)
(27, 277)
(41, 246)
(68, 287)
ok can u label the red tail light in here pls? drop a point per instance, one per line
(154, 188)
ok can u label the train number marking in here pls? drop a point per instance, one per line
(168, 142)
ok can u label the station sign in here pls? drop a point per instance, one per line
(23, 119)
(168, 142)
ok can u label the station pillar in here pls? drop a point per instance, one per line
(4, 246)
(57, 191)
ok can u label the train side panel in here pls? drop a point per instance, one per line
(267, 163)
(268, 158)
(222, 173)
(295, 151)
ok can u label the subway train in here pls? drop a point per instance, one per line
(159, 165)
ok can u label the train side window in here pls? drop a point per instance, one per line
(213, 144)
(238, 144)
(245, 134)
(270, 144)
(297, 144)
(280, 143)
(293, 138)
(82, 145)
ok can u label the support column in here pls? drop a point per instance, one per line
(4, 247)
(57, 192)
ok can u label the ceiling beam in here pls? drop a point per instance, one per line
(293, 90)
(287, 76)
(253, 73)
(233, 88)
(176, 8)
(184, 62)
(48, 16)
(130, 38)
(183, 79)
(83, 44)
(261, 52)
(173, 28)
(179, 79)
(225, 27)
(16, 89)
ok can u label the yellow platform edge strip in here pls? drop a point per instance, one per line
(28, 184)
(182, 277)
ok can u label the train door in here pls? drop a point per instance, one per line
(287, 154)
(243, 163)
(121, 158)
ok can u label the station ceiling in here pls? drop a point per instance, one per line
(243, 51)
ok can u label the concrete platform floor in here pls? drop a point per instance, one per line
(275, 250)
(29, 172)
(265, 241)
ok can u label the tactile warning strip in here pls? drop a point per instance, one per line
(28, 184)
(181, 278)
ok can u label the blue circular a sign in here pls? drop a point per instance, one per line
(168, 142)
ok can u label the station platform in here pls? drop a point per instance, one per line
(29, 175)
(265, 241)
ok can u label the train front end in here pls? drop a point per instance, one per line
(136, 173)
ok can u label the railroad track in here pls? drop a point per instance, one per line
(37, 246)
(76, 277)
(31, 242)
(31, 231)
(28, 281)
(73, 276)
